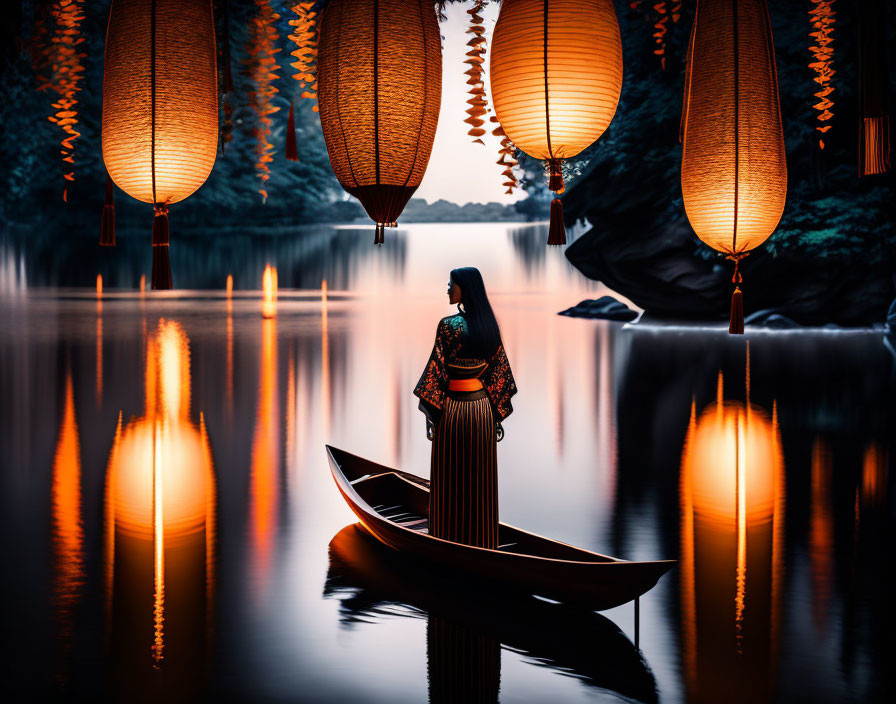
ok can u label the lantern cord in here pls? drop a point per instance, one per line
(547, 110)
(107, 229)
(736, 130)
(292, 152)
(736, 322)
(557, 231)
(376, 94)
(161, 263)
(152, 100)
(555, 181)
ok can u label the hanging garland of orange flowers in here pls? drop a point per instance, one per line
(66, 73)
(262, 69)
(660, 30)
(475, 58)
(304, 36)
(823, 20)
(506, 157)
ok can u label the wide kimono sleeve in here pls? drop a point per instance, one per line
(433, 384)
(499, 384)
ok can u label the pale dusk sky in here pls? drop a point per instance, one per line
(459, 170)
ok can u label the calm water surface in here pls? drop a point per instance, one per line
(172, 529)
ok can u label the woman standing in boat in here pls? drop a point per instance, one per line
(465, 393)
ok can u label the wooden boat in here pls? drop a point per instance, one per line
(393, 506)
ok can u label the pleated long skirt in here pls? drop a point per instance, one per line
(463, 500)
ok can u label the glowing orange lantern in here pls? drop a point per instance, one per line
(556, 76)
(379, 74)
(160, 107)
(733, 167)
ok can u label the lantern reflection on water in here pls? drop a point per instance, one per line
(732, 514)
(68, 529)
(160, 527)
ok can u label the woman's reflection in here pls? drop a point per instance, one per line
(467, 624)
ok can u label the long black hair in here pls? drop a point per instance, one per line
(483, 335)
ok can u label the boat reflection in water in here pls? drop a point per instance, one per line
(468, 625)
(732, 521)
(160, 533)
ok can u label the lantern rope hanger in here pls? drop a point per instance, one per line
(734, 185)
(161, 262)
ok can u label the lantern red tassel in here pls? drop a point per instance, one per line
(161, 263)
(378, 235)
(107, 230)
(292, 153)
(557, 232)
(736, 324)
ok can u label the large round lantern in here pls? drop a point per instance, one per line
(379, 82)
(733, 168)
(160, 106)
(556, 76)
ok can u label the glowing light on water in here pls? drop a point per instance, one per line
(160, 496)
(68, 530)
(732, 514)
(269, 288)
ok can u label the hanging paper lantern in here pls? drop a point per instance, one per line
(874, 85)
(556, 75)
(733, 167)
(379, 72)
(160, 107)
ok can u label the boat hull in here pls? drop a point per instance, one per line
(542, 567)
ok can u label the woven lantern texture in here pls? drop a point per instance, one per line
(160, 106)
(379, 74)
(556, 77)
(733, 170)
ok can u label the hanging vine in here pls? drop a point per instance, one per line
(823, 21)
(304, 36)
(261, 67)
(506, 157)
(475, 58)
(65, 72)
(660, 29)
